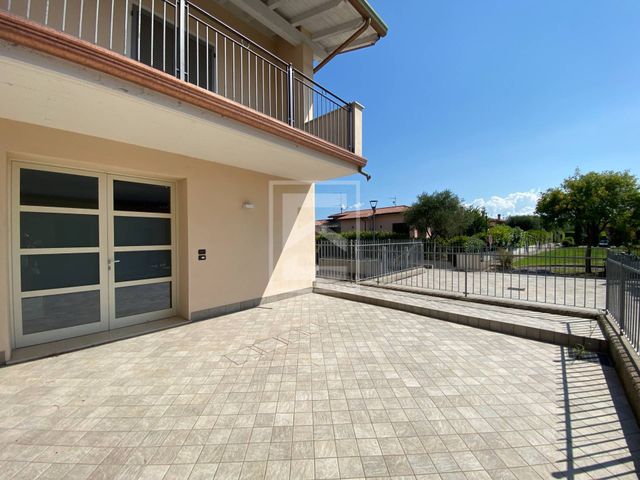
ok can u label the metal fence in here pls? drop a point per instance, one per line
(535, 273)
(544, 273)
(357, 261)
(182, 39)
(623, 294)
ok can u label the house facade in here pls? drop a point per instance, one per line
(158, 157)
(386, 219)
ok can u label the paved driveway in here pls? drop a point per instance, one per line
(316, 387)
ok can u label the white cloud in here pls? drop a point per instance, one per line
(516, 203)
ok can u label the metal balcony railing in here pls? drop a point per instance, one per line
(180, 38)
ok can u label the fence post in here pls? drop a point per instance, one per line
(356, 258)
(290, 99)
(466, 259)
(622, 297)
(350, 133)
(182, 44)
(607, 285)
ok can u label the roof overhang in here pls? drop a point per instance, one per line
(323, 25)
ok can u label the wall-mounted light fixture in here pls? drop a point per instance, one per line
(248, 205)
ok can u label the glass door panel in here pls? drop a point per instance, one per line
(140, 231)
(52, 312)
(46, 188)
(145, 298)
(142, 265)
(59, 270)
(58, 230)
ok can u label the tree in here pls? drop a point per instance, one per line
(502, 235)
(525, 222)
(476, 220)
(590, 203)
(442, 212)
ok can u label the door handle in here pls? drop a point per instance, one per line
(111, 261)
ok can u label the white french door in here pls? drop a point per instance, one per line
(91, 252)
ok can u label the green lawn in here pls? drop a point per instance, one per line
(569, 259)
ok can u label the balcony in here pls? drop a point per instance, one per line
(181, 39)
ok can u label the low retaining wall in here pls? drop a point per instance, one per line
(625, 359)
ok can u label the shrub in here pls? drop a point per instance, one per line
(525, 222)
(568, 242)
(466, 244)
(475, 244)
(501, 235)
(457, 242)
(535, 236)
(505, 257)
(517, 237)
(481, 236)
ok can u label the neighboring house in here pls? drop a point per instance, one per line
(158, 157)
(325, 226)
(387, 219)
(497, 221)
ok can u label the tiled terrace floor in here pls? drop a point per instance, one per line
(317, 387)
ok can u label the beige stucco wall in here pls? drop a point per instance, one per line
(210, 215)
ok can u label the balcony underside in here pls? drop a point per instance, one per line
(92, 91)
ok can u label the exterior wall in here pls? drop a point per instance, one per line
(383, 223)
(210, 215)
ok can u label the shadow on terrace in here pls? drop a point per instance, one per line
(594, 403)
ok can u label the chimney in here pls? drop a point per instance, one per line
(499, 217)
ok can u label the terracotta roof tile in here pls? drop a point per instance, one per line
(367, 213)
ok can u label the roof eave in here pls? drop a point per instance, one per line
(366, 11)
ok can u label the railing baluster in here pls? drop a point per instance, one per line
(291, 106)
(182, 39)
(216, 61)
(81, 18)
(164, 36)
(111, 25)
(95, 33)
(126, 29)
(197, 53)
(269, 90)
(139, 28)
(153, 23)
(207, 54)
(225, 66)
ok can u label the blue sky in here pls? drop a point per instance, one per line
(495, 100)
